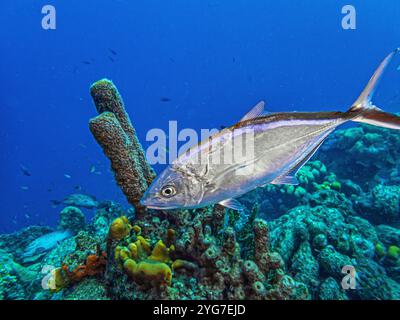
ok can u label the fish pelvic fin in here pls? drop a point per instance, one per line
(291, 180)
(232, 204)
(363, 110)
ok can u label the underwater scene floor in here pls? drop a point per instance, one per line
(335, 236)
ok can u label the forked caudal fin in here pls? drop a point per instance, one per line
(363, 109)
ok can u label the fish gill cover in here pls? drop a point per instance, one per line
(73, 174)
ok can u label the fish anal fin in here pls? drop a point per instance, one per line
(285, 180)
(255, 112)
(232, 204)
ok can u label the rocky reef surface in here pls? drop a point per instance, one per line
(334, 236)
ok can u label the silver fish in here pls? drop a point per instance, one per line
(281, 144)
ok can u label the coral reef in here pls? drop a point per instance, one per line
(364, 154)
(316, 243)
(201, 262)
(104, 216)
(380, 205)
(16, 243)
(71, 218)
(294, 242)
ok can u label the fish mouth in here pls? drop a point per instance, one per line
(156, 207)
(151, 205)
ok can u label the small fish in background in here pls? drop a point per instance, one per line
(49, 189)
(111, 59)
(86, 62)
(83, 146)
(78, 200)
(171, 59)
(55, 203)
(27, 216)
(398, 68)
(67, 176)
(78, 188)
(24, 188)
(25, 170)
(165, 99)
(113, 52)
(94, 171)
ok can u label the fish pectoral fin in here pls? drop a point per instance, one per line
(232, 204)
(255, 112)
(285, 180)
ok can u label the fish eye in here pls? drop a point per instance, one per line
(168, 191)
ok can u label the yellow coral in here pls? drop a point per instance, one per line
(137, 229)
(145, 243)
(133, 250)
(160, 253)
(143, 247)
(138, 259)
(178, 264)
(183, 264)
(117, 252)
(120, 228)
(148, 270)
(143, 264)
(125, 253)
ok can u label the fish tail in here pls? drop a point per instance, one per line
(363, 109)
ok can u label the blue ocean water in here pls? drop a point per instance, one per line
(212, 59)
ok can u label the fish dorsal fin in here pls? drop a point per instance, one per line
(285, 180)
(232, 204)
(255, 112)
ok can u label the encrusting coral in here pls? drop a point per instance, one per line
(71, 218)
